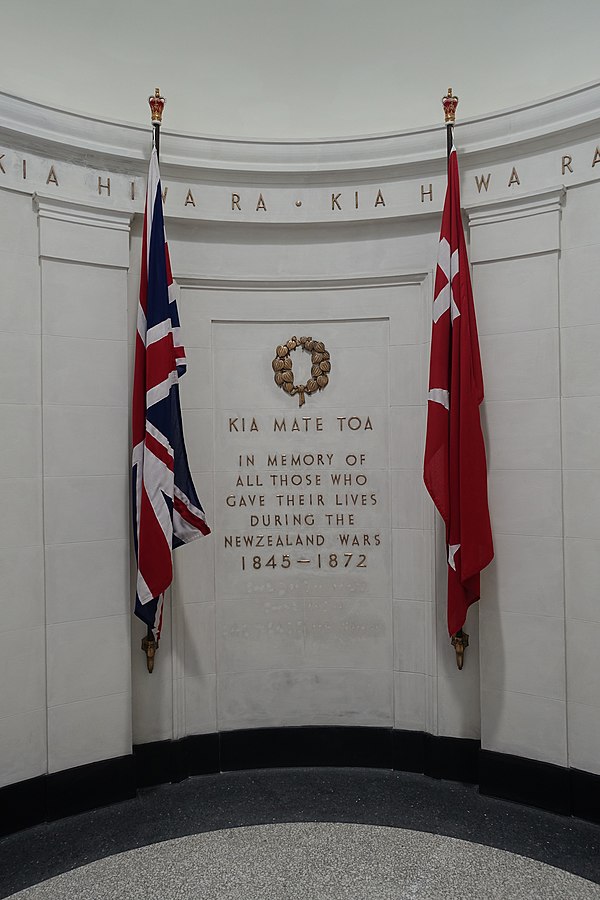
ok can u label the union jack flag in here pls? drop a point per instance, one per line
(166, 508)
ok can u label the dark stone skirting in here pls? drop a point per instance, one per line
(526, 781)
(61, 794)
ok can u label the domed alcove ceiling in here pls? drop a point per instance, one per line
(291, 70)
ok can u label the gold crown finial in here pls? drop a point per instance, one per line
(157, 104)
(449, 102)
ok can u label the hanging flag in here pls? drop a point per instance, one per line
(166, 508)
(455, 471)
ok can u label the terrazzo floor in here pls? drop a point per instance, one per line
(306, 834)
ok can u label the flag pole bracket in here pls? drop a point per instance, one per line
(149, 646)
(460, 642)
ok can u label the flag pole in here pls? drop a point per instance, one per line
(449, 102)
(157, 104)
(460, 640)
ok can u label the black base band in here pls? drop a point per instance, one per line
(549, 787)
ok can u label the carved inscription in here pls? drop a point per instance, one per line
(302, 510)
(256, 202)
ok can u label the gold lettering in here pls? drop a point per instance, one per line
(2, 169)
(340, 519)
(282, 520)
(596, 158)
(103, 187)
(245, 500)
(52, 179)
(282, 479)
(483, 182)
(379, 201)
(238, 424)
(249, 481)
(261, 203)
(164, 194)
(425, 193)
(352, 459)
(24, 168)
(347, 479)
(566, 163)
(189, 198)
(354, 423)
(514, 178)
(235, 202)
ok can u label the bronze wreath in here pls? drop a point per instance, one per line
(320, 369)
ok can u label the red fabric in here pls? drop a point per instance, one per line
(455, 470)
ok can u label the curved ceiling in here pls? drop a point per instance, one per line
(295, 69)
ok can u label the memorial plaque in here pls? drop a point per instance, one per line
(302, 490)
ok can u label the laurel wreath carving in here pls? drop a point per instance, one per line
(320, 369)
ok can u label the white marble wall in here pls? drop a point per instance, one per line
(22, 621)
(84, 256)
(515, 257)
(580, 408)
(287, 658)
(413, 606)
(66, 696)
(74, 684)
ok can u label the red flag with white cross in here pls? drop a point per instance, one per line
(455, 470)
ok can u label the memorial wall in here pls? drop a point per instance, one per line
(319, 597)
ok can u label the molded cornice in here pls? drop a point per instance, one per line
(81, 138)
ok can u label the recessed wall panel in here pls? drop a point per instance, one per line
(301, 489)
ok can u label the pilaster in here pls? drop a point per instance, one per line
(515, 254)
(84, 256)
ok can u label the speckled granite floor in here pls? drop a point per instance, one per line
(323, 834)
(314, 861)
